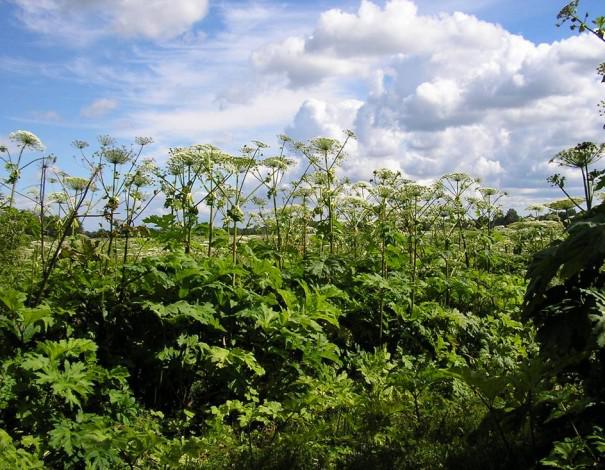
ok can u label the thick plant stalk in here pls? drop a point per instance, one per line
(14, 182)
(234, 244)
(211, 222)
(42, 192)
(111, 214)
(304, 247)
(64, 230)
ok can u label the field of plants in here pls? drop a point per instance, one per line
(272, 314)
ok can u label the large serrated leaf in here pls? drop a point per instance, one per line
(598, 317)
(583, 248)
(178, 311)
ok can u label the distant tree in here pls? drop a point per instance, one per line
(510, 217)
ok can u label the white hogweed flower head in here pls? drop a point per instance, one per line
(142, 141)
(75, 183)
(278, 163)
(106, 141)
(80, 144)
(27, 139)
(116, 156)
(58, 198)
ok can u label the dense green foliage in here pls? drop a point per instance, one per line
(378, 324)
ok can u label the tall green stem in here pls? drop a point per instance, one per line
(16, 177)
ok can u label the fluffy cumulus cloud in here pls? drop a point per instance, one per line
(301, 68)
(345, 42)
(89, 19)
(318, 118)
(445, 92)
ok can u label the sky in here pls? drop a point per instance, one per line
(488, 87)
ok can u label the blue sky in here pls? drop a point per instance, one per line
(490, 87)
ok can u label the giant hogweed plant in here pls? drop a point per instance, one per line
(120, 178)
(238, 194)
(581, 157)
(13, 165)
(455, 188)
(194, 176)
(275, 169)
(13, 225)
(355, 210)
(325, 155)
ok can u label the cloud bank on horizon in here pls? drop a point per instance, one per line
(426, 94)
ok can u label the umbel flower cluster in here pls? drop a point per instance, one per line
(26, 139)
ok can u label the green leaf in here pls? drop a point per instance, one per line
(33, 321)
(14, 458)
(224, 357)
(72, 384)
(489, 387)
(598, 317)
(584, 247)
(183, 310)
(72, 347)
(12, 299)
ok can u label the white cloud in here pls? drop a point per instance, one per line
(345, 42)
(99, 108)
(318, 118)
(157, 18)
(89, 19)
(300, 68)
(188, 91)
(445, 92)
(190, 123)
